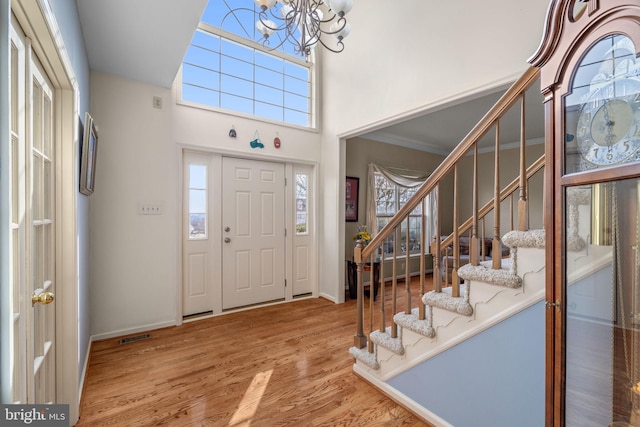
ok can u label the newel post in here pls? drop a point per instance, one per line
(359, 340)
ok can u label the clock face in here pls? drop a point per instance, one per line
(608, 130)
(602, 112)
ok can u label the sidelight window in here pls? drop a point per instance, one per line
(197, 201)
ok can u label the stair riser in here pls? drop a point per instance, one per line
(529, 260)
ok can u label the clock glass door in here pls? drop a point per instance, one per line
(603, 304)
(601, 242)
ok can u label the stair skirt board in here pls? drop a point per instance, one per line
(393, 394)
(414, 355)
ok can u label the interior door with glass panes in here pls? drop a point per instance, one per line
(33, 227)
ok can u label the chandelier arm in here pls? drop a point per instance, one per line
(342, 20)
(264, 18)
(340, 44)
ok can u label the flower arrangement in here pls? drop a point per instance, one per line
(362, 234)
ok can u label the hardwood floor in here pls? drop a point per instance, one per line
(275, 366)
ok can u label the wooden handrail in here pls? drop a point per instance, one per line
(510, 97)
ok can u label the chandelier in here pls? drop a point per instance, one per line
(302, 23)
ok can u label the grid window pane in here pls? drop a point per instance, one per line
(297, 118)
(236, 67)
(238, 51)
(269, 111)
(236, 103)
(270, 78)
(202, 77)
(269, 95)
(203, 57)
(206, 41)
(235, 86)
(200, 95)
(270, 62)
(299, 87)
(297, 71)
(295, 102)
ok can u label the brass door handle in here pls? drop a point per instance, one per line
(41, 297)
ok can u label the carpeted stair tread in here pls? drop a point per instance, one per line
(385, 340)
(525, 239)
(413, 323)
(365, 357)
(484, 273)
(446, 301)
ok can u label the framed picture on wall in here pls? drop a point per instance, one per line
(351, 199)
(88, 151)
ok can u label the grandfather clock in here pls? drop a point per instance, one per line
(590, 78)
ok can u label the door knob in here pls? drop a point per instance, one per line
(41, 297)
(227, 240)
(227, 229)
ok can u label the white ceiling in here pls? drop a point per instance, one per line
(145, 40)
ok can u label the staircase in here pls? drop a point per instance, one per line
(488, 296)
(481, 293)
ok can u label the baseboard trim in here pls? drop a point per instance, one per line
(328, 297)
(401, 399)
(122, 332)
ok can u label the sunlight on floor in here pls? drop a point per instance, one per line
(249, 405)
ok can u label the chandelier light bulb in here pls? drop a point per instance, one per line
(340, 33)
(266, 28)
(341, 7)
(265, 4)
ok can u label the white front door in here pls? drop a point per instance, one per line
(33, 227)
(253, 232)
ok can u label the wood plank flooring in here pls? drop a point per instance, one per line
(284, 365)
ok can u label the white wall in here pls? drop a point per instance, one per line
(410, 56)
(135, 258)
